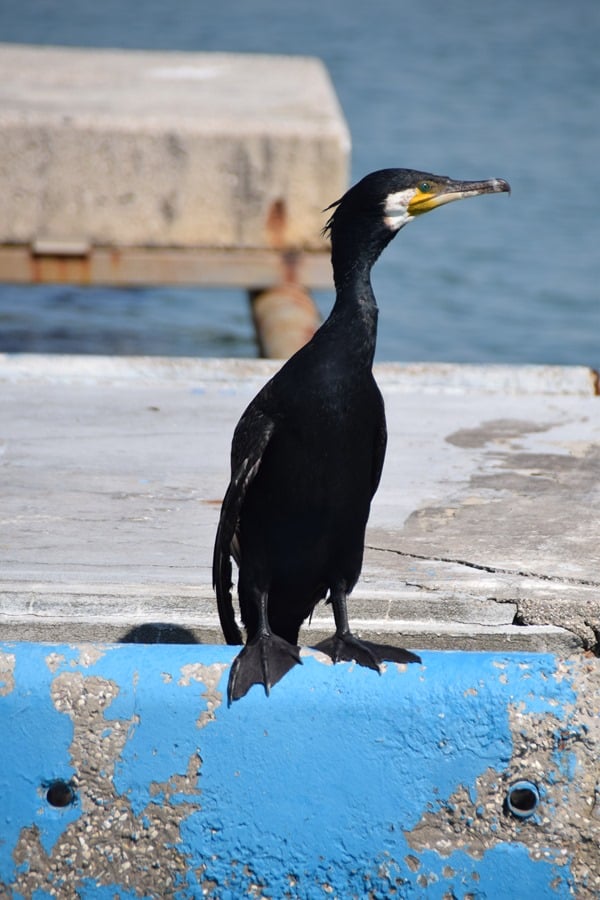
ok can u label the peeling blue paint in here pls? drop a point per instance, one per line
(312, 792)
(146, 749)
(500, 871)
(35, 751)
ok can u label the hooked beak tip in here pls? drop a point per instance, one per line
(501, 186)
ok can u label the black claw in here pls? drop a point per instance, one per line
(264, 660)
(349, 648)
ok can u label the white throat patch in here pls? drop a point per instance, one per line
(395, 209)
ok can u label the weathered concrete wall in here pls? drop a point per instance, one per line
(340, 784)
(115, 147)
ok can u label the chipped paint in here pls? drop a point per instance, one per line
(555, 746)
(7, 673)
(340, 784)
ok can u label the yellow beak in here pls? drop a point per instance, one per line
(448, 191)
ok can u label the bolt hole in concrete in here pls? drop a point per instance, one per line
(60, 793)
(522, 799)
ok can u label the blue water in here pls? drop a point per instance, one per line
(468, 89)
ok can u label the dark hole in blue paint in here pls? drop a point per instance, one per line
(60, 793)
(522, 799)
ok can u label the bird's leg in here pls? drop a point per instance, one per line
(345, 646)
(264, 660)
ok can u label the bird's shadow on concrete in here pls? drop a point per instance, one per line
(159, 633)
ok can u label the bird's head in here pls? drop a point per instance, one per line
(390, 198)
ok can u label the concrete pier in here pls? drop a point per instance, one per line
(124, 771)
(130, 167)
(115, 148)
(483, 534)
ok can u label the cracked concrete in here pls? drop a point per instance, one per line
(483, 533)
(538, 494)
(577, 614)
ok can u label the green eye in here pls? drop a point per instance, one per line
(424, 187)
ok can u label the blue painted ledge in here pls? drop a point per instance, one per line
(124, 774)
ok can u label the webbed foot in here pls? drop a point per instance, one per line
(264, 660)
(345, 646)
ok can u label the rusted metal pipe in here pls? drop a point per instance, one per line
(285, 318)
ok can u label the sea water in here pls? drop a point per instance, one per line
(467, 89)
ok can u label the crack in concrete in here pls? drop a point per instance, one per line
(494, 570)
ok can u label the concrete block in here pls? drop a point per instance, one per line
(124, 773)
(115, 147)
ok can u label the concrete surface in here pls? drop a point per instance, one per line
(115, 147)
(483, 535)
(341, 784)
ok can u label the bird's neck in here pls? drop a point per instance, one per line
(355, 310)
(355, 313)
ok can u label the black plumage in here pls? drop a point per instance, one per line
(307, 453)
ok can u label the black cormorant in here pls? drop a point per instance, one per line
(307, 453)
